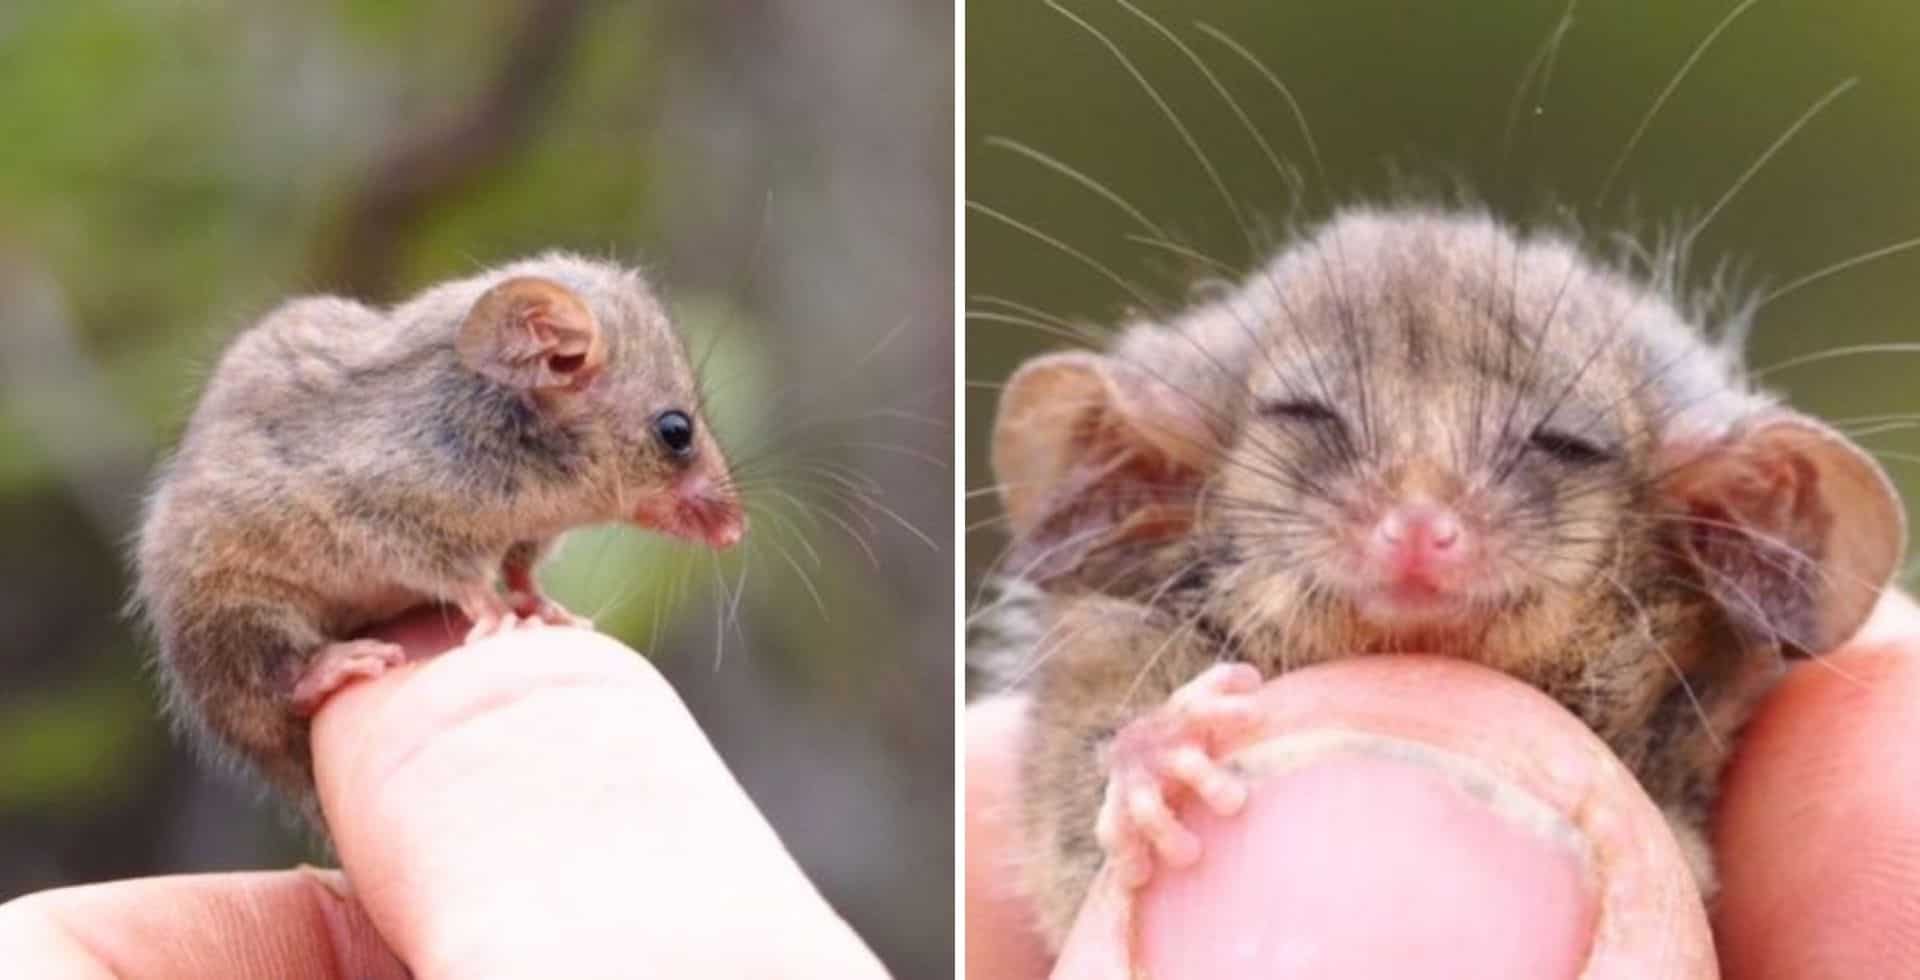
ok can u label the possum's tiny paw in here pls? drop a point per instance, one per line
(340, 664)
(1174, 748)
(535, 607)
(488, 611)
(494, 613)
(495, 624)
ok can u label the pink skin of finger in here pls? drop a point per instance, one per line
(1417, 836)
(540, 803)
(1822, 785)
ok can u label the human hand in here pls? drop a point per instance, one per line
(1360, 856)
(536, 804)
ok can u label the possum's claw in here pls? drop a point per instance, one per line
(494, 623)
(1174, 749)
(536, 607)
(338, 664)
(488, 611)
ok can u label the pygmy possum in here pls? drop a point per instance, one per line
(1415, 429)
(346, 464)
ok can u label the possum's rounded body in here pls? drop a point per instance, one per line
(346, 464)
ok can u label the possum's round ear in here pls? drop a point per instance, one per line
(533, 334)
(1794, 529)
(1090, 451)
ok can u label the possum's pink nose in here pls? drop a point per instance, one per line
(1420, 544)
(711, 512)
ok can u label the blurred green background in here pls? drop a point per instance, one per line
(1403, 94)
(784, 170)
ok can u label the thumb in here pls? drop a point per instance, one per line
(1413, 816)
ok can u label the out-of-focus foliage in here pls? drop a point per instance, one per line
(783, 169)
(1419, 97)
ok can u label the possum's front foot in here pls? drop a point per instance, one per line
(1172, 749)
(492, 613)
(338, 664)
(534, 606)
(526, 599)
(489, 612)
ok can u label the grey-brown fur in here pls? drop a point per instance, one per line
(1654, 592)
(345, 464)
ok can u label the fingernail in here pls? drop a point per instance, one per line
(1362, 856)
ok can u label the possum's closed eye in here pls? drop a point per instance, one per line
(1300, 410)
(1569, 448)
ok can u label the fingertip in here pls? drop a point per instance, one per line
(1374, 843)
(1819, 820)
(436, 691)
(1001, 940)
(367, 731)
(431, 772)
(1368, 867)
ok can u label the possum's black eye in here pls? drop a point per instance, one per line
(675, 431)
(1566, 448)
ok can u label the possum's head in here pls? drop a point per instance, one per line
(590, 349)
(1419, 432)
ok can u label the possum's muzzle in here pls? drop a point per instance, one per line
(698, 509)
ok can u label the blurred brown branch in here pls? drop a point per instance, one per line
(437, 162)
